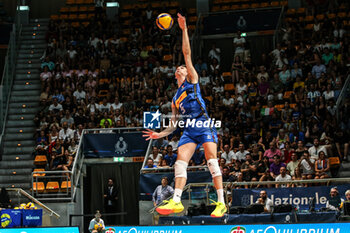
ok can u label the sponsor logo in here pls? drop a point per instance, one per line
(121, 147)
(238, 229)
(5, 220)
(110, 230)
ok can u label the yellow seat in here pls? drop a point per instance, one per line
(54, 17)
(287, 94)
(229, 87)
(255, 5)
(52, 187)
(102, 93)
(192, 27)
(73, 17)
(309, 18)
(215, 9)
(191, 11)
(40, 160)
(65, 185)
(172, 11)
(167, 57)
(63, 17)
(290, 11)
(124, 14)
(192, 19)
(342, 14)
(225, 74)
(73, 9)
(174, 4)
(331, 16)
(245, 6)
(301, 11)
(85, 24)
(39, 170)
(264, 4)
(64, 10)
(75, 24)
(38, 187)
(91, 9)
(90, 16)
(82, 16)
(83, 9)
(79, 2)
(309, 26)
(70, 2)
(292, 106)
(276, 4)
(320, 17)
(210, 98)
(334, 161)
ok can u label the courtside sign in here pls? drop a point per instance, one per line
(275, 228)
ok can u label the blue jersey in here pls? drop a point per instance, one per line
(190, 104)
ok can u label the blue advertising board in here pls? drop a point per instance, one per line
(298, 196)
(32, 218)
(42, 230)
(114, 145)
(275, 228)
(11, 218)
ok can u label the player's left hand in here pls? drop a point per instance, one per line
(182, 21)
(150, 134)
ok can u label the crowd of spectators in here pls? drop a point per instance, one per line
(279, 121)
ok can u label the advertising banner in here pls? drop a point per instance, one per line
(299, 196)
(32, 218)
(276, 228)
(114, 145)
(11, 218)
(42, 230)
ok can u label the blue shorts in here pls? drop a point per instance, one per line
(198, 136)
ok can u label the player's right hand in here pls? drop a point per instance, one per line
(149, 134)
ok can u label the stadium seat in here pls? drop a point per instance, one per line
(73, 17)
(174, 4)
(167, 57)
(125, 14)
(210, 98)
(334, 161)
(91, 9)
(255, 5)
(292, 105)
(192, 19)
(301, 11)
(290, 11)
(148, 101)
(287, 94)
(70, 2)
(235, 7)
(276, 4)
(229, 87)
(245, 6)
(226, 8)
(309, 18)
(226, 74)
(215, 8)
(264, 4)
(85, 24)
(127, 7)
(149, 48)
(73, 9)
(155, 4)
(79, 2)
(75, 24)
(90, 16)
(320, 17)
(65, 185)
(102, 93)
(172, 11)
(64, 10)
(284, 3)
(82, 16)
(40, 160)
(309, 26)
(63, 17)
(331, 16)
(192, 27)
(38, 187)
(52, 187)
(83, 9)
(191, 11)
(54, 17)
(39, 170)
(342, 14)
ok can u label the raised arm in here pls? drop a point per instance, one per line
(149, 134)
(186, 50)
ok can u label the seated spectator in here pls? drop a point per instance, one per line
(276, 166)
(69, 159)
(198, 158)
(287, 153)
(296, 135)
(150, 163)
(226, 175)
(292, 165)
(307, 165)
(249, 169)
(322, 166)
(264, 200)
(57, 157)
(170, 157)
(66, 134)
(283, 176)
(160, 143)
(300, 149)
(240, 155)
(155, 155)
(334, 201)
(67, 118)
(316, 148)
(163, 164)
(42, 140)
(270, 153)
(174, 142)
(228, 155)
(55, 107)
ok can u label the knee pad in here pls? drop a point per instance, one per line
(214, 168)
(180, 169)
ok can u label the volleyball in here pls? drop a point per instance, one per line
(97, 226)
(164, 21)
(30, 205)
(5, 220)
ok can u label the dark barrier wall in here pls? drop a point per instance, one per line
(149, 181)
(126, 177)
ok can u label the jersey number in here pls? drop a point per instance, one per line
(182, 109)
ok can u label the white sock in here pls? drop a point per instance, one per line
(177, 195)
(220, 193)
